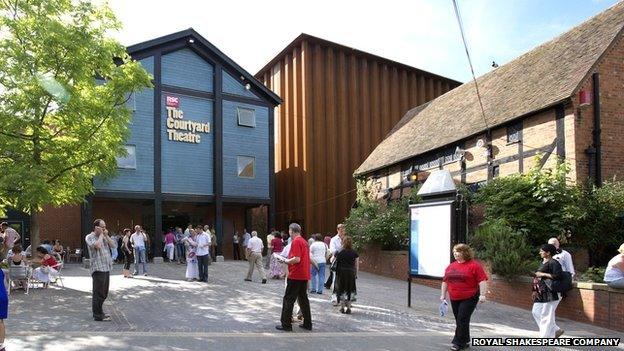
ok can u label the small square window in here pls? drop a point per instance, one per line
(513, 132)
(246, 117)
(246, 166)
(129, 161)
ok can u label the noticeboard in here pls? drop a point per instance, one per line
(431, 237)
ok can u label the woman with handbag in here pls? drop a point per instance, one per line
(545, 300)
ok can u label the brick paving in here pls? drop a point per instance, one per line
(164, 312)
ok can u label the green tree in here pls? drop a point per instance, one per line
(60, 125)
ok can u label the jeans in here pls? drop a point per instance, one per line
(318, 278)
(100, 292)
(169, 249)
(180, 251)
(139, 257)
(296, 290)
(202, 264)
(462, 309)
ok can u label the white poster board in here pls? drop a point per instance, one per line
(430, 238)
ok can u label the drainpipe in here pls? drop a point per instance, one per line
(597, 129)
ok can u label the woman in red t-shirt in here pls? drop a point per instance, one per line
(466, 283)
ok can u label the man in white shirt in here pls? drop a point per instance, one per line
(203, 253)
(11, 236)
(254, 256)
(246, 238)
(564, 257)
(335, 246)
(138, 240)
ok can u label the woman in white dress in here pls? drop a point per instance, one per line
(192, 270)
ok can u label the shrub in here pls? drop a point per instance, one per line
(539, 204)
(505, 250)
(598, 226)
(379, 223)
(593, 275)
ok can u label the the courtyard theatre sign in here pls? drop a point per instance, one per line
(180, 129)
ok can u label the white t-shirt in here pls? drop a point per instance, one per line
(201, 240)
(255, 245)
(335, 245)
(138, 240)
(317, 251)
(565, 259)
(11, 235)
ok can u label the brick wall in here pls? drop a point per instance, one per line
(611, 70)
(588, 303)
(61, 223)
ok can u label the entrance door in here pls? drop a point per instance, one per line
(177, 220)
(225, 243)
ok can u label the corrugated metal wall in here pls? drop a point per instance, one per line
(338, 106)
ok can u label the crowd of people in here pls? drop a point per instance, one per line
(304, 265)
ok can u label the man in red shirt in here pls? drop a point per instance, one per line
(297, 286)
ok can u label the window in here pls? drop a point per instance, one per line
(129, 161)
(513, 132)
(246, 117)
(246, 166)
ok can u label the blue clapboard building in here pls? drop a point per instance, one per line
(200, 150)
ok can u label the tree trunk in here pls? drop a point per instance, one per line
(34, 230)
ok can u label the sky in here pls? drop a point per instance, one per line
(419, 33)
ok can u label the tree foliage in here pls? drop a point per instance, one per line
(543, 204)
(598, 222)
(539, 203)
(60, 125)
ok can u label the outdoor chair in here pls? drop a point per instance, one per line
(76, 255)
(21, 274)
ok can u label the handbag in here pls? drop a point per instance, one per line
(564, 284)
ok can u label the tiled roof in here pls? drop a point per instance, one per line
(543, 77)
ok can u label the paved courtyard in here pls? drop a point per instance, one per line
(164, 312)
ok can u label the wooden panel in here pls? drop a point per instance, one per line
(422, 95)
(385, 108)
(331, 143)
(370, 83)
(403, 97)
(343, 124)
(338, 105)
(413, 91)
(320, 133)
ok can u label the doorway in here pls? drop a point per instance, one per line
(176, 220)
